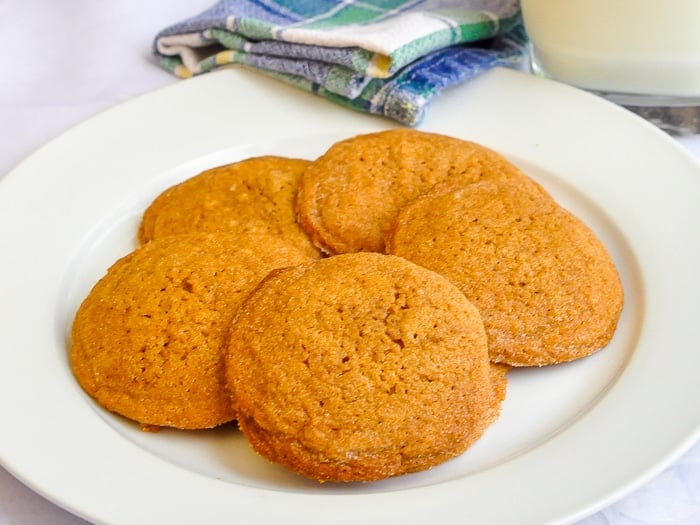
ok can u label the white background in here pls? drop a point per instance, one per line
(64, 61)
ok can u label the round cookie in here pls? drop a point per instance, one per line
(253, 195)
(546, 287)
(350, 195)
(147, 340)
(359, 367)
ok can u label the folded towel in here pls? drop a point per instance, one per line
(386, 57)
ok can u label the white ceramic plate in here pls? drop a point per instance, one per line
(571, 438)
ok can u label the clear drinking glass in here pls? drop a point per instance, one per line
(642, 54)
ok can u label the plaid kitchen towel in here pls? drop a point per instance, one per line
(387, 57)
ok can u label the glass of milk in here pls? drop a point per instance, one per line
(643, 54)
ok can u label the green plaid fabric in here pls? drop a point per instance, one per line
(347, 51)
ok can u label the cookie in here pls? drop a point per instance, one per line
(147, 340)
(250, 196)
(350, 195)
(547, 289)
(499, 389)
(359, 367)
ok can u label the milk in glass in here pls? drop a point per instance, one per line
(640, 47)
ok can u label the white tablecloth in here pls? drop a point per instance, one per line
(64, 61)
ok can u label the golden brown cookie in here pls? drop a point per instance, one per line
(351, 194)
(499, 389)
(146, 341)
(359, 367)
(546, 287)
(253, 195)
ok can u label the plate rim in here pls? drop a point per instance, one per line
(497, 85)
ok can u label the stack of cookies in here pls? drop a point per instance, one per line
(356, 314)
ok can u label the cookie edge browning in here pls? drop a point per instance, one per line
(324, 471)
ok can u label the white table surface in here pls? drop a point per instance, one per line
(62, 62)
